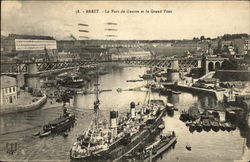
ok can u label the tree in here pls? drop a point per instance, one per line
(195, 38)
(202, 37)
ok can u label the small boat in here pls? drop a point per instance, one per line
(233, 126)
(45, 134)
(192, 125)
(206, 123)
(176, 92)
(158, 147)
(198, 125)
(228, 126)
(36, 134)
(188, 147)
(162, 126)
(147, 76)
(119, 90)
(212, 123)
(188, 123)
(215, 125)
(184, 116)
(138, 80)
(222, 126)
(72, 81)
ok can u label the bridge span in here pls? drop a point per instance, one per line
(40, 67)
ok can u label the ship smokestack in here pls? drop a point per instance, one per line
(132, 110)
(113, 119)
(113, 122)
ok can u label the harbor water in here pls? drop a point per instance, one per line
(206, 146)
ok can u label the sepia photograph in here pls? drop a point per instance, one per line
(125, 81)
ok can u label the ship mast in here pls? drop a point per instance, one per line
(97, 101)
(94, 122)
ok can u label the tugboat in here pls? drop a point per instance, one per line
(59, 125)
(99, 143)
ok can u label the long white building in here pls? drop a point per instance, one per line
(33, 44)
(16, 43)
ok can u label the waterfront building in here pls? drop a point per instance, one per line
(24, 46)
(8, 90)
(241, 46)
(247, 45)
(16, 42)
(131, 55)
(67, 56)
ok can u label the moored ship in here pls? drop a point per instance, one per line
(120, 139)
(72, 81)
(153, 150)
(130, 133)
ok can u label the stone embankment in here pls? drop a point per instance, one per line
(218, 94)
(16, 108)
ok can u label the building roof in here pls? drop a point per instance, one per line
(15, 36)
(7, 81)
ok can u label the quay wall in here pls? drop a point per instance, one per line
(219, 95)
(233, 75)
(243, 101)
(23, 108)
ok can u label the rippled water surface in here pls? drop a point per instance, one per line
(206, 146)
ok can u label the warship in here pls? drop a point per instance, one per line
(123, 135)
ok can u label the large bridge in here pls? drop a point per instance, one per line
(40, 67)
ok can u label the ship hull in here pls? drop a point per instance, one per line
(66, 124)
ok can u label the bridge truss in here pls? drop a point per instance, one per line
(15, 68)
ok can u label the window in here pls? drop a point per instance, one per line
(6, 90)
(14, 89)
(10, 89)
(11, 99)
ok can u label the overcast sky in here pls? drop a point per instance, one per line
(187, 20)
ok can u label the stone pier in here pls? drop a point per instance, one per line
(173, 73)
(33, 77)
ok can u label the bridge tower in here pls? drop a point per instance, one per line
(173, 73)
(33, 77)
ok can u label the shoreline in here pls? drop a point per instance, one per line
(24, 108)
